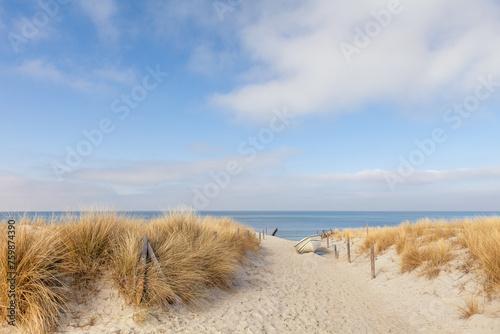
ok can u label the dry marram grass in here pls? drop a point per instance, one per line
(79, 249)
(429, 244)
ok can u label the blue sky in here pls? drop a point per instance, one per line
(250, 105)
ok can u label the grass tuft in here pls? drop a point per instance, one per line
(41, 295)
(471, 307)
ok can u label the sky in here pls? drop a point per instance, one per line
(250, 105)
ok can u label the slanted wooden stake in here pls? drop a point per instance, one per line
(152, 255)
(275, 230)
(142, 269)
(349, 250)
(372, 256)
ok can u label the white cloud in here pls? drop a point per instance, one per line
(430, 50)
(418, 177)
(205, 60)
(462, 174)
(151, 173)
(171, 19)
(102, 13)
(257, 188)
(42, 70)
(121, 76)
(26, 194)
(101, 80)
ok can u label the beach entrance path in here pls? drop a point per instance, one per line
(281, 291)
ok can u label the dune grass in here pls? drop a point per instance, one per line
(87, 242)
(40, 293)
(80, 249)
(430, 244)
(482, 239)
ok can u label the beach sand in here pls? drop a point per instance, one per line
(281, 291)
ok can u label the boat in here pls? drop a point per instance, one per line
(308, 244)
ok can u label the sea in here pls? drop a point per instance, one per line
(295, 225)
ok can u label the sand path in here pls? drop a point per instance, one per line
(284, 292)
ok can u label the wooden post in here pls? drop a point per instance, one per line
(260, 238)
(349, 250)
(372, 256)
(248, 234)
(142, 269)
(263, 235)
(335, 251)
(275, 230)
(327, 242)
(152, 255)
(215, 235)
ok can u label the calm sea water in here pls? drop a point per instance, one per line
(294, 225)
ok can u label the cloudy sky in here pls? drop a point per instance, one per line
(250, 105)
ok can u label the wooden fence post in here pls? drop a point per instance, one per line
(260, 238)
(142, 269)
(349, 250)
(372, 256)
(275, 230)
(263, 235)
(327, 242)
(335, 251)
(152, 255)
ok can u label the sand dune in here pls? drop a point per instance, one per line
(280, 291)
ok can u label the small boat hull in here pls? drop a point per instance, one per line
(308, 244)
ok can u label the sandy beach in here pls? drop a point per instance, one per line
(281, 291)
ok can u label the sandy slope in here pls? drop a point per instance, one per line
(280, 291)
